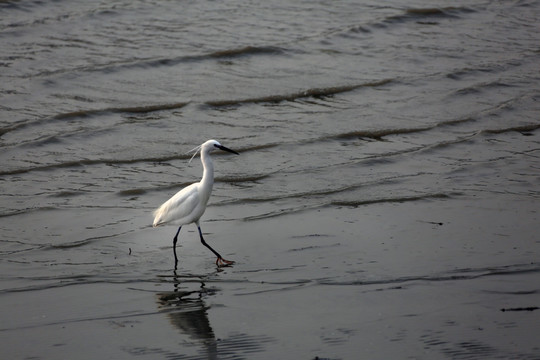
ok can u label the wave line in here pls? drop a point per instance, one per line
(314, 92)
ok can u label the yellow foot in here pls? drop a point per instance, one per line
(222, 262)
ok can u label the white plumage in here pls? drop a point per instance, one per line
(185, 207)
(188, 205)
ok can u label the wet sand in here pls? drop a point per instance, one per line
(384, 204)
(411, 279)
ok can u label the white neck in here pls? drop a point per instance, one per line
(207, 181)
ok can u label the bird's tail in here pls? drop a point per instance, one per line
(157, 217)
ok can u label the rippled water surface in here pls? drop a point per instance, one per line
(385, 200)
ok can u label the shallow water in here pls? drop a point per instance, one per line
(385, 202)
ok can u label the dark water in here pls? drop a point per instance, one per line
(385, 202)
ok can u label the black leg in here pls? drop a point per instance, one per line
(208, 246)
(219, 261)
(174, 248)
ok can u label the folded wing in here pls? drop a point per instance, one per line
(179, 208)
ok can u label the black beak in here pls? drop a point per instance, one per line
(226, 149)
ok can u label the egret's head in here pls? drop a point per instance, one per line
(214, 144)
(209, 146)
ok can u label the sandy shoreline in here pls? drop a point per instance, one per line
(425, 279)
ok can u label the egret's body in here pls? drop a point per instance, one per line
(188, 205)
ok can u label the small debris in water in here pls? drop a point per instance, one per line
(530, 308)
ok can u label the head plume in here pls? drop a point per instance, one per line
(196, 150)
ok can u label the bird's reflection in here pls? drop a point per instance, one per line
(187, 311)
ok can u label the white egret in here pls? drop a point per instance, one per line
(188, 205)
